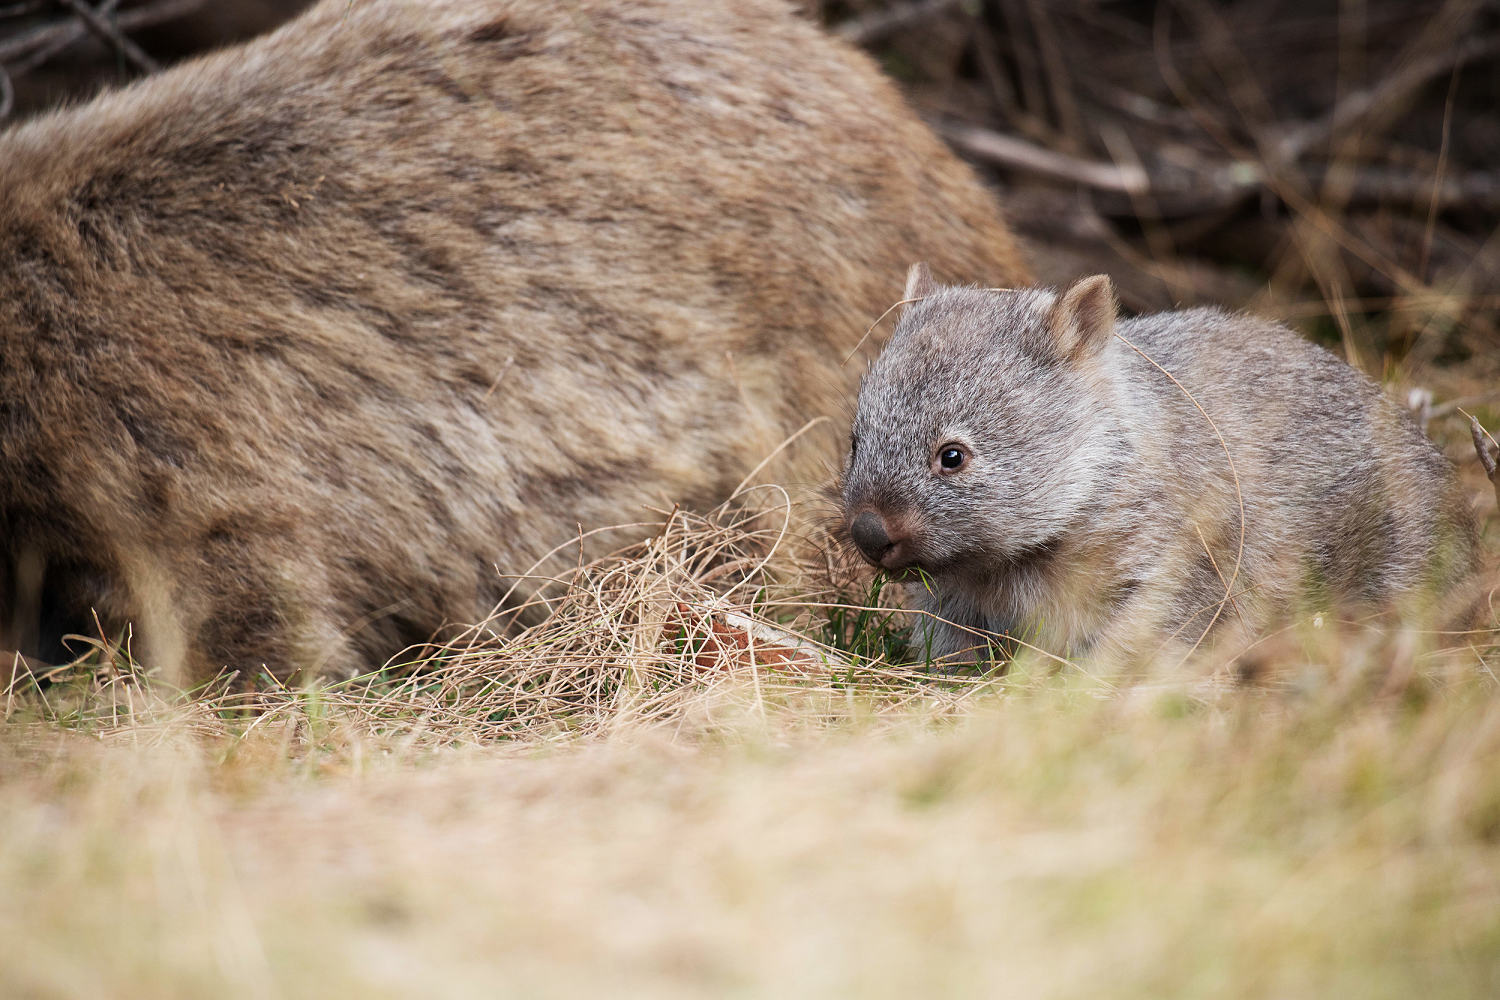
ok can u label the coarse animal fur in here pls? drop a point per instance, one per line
(305, 344)
(1098, 488)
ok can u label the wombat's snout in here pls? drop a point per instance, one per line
(878, 542)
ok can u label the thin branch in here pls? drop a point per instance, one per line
(1055, 68)
(39, 45)
(1008, 151)
(874, 26)
(1373, 185)
(1183, 191)
(1359, 107)
(57, 36)
(1489, 452)
(111, 35)
(1430, 230)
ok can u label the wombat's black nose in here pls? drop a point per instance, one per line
(868, 531)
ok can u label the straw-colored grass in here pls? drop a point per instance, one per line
(727, 613)
(702, 774)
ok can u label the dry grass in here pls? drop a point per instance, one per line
(662, 633)
(685, 781)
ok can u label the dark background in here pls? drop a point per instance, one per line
(1329, 162)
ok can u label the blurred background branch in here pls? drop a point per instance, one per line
(1331, 162)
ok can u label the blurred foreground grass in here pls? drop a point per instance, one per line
(758, 829)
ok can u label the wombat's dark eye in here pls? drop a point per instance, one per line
(853, 446)
(952, 457)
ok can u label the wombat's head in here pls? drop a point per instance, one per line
(977, 441)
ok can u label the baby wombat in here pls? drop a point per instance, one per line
(305, 346)
(1120, 489)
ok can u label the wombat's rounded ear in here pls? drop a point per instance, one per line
(919, 283)
(1083, 317)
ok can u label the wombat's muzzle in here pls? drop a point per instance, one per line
(878, 542)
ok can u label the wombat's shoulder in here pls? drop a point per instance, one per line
(1215, 328)
(1261, 369)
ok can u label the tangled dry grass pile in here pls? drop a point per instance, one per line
(664, 632)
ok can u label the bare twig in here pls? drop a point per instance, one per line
(38, 45)
(878, 24)
(1182, 190)
(1055, 68)
(34, 48)
(1430, 230)
(1028, 69)
(1008, 151)
(1373, 185)
(110, 33)
(20, 53)
(1359, 108)
(1452, 406)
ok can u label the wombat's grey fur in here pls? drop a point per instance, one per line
(304, 344)
(1050, 472)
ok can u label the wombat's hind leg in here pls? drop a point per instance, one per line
(49, 600)
(258, 616)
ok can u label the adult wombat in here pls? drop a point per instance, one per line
(1121, 489)
(305, 343)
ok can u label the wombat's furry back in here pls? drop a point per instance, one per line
(305, 343)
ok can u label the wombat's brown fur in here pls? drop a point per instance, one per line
(304, 344)
(1053, 475)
